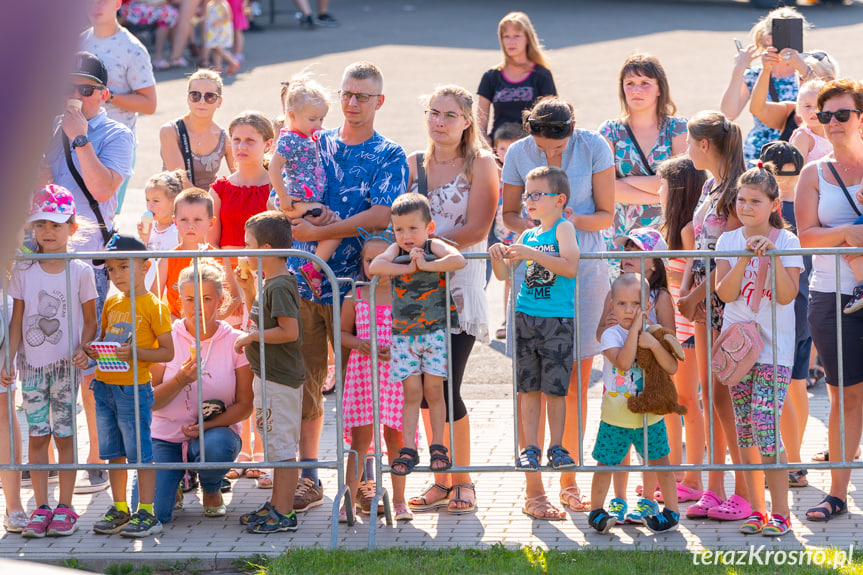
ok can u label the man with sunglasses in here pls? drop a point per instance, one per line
(364, 173)
(90, 150)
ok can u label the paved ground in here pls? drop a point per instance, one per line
(208, 543)
(420, 44)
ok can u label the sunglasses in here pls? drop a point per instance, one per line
(535, 196)
(84, 90)
(549, 129)
(841, 115)
(209, 97)
(361, 98)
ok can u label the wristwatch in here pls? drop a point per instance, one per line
(80, 141)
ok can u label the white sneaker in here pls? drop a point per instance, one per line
(15, 522)
(91, 482)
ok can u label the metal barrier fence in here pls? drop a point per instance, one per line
(338, 464)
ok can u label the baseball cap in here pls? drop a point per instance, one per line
(120, 243)
(90, 66)
(52, 203)
(780, 153)
(646, 239)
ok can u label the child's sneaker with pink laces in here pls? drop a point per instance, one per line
(65, 522)
(777, 526)
(39, 522)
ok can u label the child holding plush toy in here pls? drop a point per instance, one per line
(759, 396)
(619, 427)
(661, 312)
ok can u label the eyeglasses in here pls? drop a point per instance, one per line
(209, 97)
(550, 129)
(820, 56)
(448, 117)
(85, 90)
(361, 98)
(535, 196)
(841, 115)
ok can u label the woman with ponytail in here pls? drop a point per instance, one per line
(716, 145)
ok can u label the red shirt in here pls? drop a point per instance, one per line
(239, 203)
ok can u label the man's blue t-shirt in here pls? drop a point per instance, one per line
(358, 177)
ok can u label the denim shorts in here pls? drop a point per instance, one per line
(115, 421)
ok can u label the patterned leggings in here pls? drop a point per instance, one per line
(756, 406)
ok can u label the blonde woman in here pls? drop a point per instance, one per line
(519, 81)
(207, 141)
(459, 175)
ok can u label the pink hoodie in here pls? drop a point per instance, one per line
(218, 380)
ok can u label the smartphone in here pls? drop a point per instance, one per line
(788, 33)
(739, 45)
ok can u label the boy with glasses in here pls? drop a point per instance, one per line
(544, 311)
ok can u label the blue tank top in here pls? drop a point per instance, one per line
(543, 293)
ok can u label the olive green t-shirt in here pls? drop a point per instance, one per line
(280, 298)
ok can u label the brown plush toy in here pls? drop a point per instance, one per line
(659, 395)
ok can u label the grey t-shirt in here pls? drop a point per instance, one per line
(280, 298)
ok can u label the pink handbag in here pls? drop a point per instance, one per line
(737, 348)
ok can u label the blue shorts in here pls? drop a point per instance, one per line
(613, 442)
(115, 421)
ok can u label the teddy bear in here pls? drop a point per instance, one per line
(659, 395)
(43, 325)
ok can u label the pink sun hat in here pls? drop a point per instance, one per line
(646, 239)
(53, 203)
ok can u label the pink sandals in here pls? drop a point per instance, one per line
(708, 501)
(734, 508)
(684, 494)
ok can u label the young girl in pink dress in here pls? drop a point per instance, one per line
(357, 400)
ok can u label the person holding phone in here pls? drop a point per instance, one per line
(780, 67)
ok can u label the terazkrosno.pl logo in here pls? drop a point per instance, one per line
(760, 555)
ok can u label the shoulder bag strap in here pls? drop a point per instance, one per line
(185, 149)
(761, 275)
(844, 189)
(641, 155)
(774, 93)
(94, 205)
(422, 179)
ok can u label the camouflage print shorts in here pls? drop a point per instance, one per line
(544, 347)
(49, 398)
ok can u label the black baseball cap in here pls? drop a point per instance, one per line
(781, 153)
(120, 243)
(90, 66)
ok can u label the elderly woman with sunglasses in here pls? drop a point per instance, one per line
(195, 143)
(827, 208)
(588, 162)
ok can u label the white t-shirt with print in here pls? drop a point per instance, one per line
(45, 328)
(128, 64)
(620, 385)
(739, 310)
(162, 241)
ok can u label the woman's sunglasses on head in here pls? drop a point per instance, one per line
(549, 129)
(209, 97)
(841, 115)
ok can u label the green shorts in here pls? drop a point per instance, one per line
(613, 442)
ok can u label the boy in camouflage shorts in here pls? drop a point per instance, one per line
(419, 343)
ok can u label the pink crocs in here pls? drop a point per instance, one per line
(734, 508)
(708, 501)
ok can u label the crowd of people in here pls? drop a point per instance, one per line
(507, 174)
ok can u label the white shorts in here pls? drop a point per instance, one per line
(418, 354)
(284, 414)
